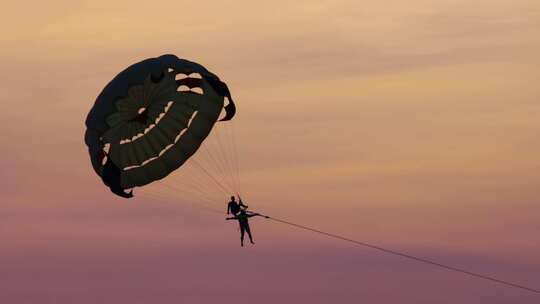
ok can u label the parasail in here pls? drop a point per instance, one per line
(151, 118)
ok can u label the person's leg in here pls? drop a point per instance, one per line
(242, 235)
(249, 234)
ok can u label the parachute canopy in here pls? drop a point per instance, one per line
(151, 118)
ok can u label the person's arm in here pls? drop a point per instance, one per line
(228, 208)
(241, 203)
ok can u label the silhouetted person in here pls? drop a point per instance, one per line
(234, 207)
(242, 218)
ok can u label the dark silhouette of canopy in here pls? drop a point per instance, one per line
(143, 126)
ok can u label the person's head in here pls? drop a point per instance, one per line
(232, 198)
(242, 211)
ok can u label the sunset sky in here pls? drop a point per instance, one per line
(411, 125)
